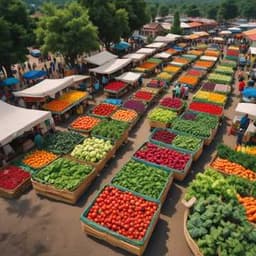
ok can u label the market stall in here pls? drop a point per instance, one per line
(101, 58)
(135, 57)
(147, 51)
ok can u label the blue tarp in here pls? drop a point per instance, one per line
(113, 101)
(34, 74)
(10, 81)
(178, 48)
(35, 53)
(121, 46)
(249, 92)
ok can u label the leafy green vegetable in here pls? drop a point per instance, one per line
(162, 115)
(187, 142)
(142, 179)
(62, 142)
(63, 174)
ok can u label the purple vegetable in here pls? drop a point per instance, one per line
(155, 83)
(136, 105)
(189, 116)
(208, 87)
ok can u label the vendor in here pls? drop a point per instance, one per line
(244, 122)
(38, 140)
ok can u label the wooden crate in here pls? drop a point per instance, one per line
(122, 140)
(156, 124)
(191, 243)
(182, 175)
(166, 190)
(137, 250)
(18, 191)
(63, 195)
(198, 154)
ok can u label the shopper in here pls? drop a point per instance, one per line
(240, 136)
(244, 122)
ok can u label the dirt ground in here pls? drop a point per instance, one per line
(33, 225)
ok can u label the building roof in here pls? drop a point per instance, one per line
(195, 24)
(152, 25)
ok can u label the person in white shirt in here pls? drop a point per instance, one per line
(21, 102)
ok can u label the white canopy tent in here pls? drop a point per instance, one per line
(111, 66)
(173, 36)
(208, 58)
(147, 51)
(225, 32)
(162, 55)
(47, 87)
(79, 78)
(129, 77)
(15, 121)
(156, 45)
(247, 108)
(101, 58)
(219, 39)
(135, 56)
(164, 39)
(253, 50)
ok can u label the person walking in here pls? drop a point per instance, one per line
(244, 122)
(240, 136)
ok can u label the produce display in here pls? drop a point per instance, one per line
(92, 150)
(154, 60)
(104, 110)
(162, 115)
(224, 70)
(219, 88)
(136, 105)
(62, 142)
(122, 212)
(250, 150)
(111, 130)
(217, 221)
(230, 168)
(195, 72)
(195, 52)
(171, 69)
(194, 128)
(146, 66)
(11, 177)
(63, 174)
(85, 123)
(249, 204)
(39, 158)
(156, 83)
(143, 95)
(73, 96)
(208, 86)
(125, 115)
(164, 157)
(210, 97)
(190, 57)
(189, 80)
(172, 103)
(56, 105)
(220, 79)
(154, 91)
(141, 178)
(115, 86)
(172, 51)
(206, 108)
(248, 161)
(163, 135)
(229, 63)
(181, 60)
(187, 142)
(212, 53)
(165, 76)
(203, 64)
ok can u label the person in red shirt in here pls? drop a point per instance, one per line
(241, 86)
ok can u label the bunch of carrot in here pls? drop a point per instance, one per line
(233, 169)
(125, 115)
(85, 123)
(39, 158)
(249, 203)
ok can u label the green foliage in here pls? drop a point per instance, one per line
(14, 32)
(67, 30)
(193, 11)
(176, 29)
(152, 8)
(163, 10)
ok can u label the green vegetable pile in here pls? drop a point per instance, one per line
(187, 142)
(192, 127)
(162, 115)
(142, 178)
(112, 129)
(62, 142)
(63, 174)
(217, 221)
(92, 150)
(248, 161)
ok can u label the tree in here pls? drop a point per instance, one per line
(14, 24)
(153, 11)
(227, 10)
(248, 9)
(193, 11)
(163, 10)
(112, 22)
(67, 30)
(212, 12)
(176, 29)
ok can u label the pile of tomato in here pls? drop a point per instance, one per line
(11, 177)
(104, 109)
(123, 212)
(142, 95)
(115, 86)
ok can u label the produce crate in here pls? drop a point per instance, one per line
(196, 154)
(133, 246)
(64, 195)
(132, 122)
(99, 165)
(164, 192)
(18, 191)
(157, 124)
(178, 174)
(190, 241)
(118, 93)
(178, 110)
